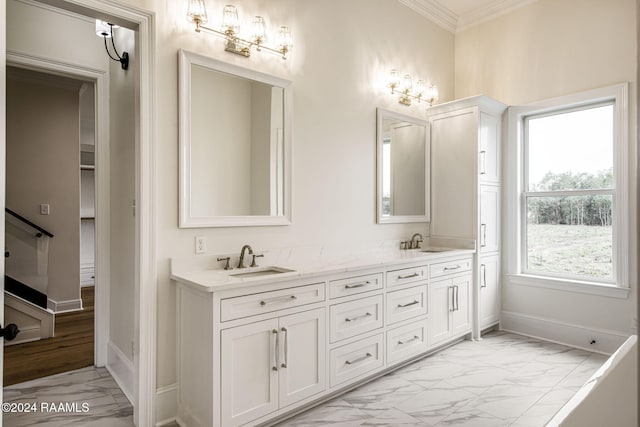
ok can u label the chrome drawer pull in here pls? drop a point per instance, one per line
(409, 276)
(359, 359)
(415, 337)
(351, 319)
(452, 268)
(483, 272)
(408, 304)
(286, 346)
(483, 162)
(275, 349)
(277, 299)
(357, 285)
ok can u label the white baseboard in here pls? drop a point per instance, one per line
(64, 306)
(122, 370)
(590, 339)
(166, 405)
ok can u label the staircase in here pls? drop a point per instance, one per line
(26, 280)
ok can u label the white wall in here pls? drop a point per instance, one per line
(341, 48)
(546, 49)
(122, 135)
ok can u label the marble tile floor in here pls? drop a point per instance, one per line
(503, 380)
(87, 397)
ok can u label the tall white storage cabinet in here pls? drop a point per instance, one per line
(466, 184)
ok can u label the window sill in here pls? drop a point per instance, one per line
(591, 288)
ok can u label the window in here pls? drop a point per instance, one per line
(568, 193)
(567, 210)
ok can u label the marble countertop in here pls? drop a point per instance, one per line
(206, 274)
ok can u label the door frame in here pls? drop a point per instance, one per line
(143, 22)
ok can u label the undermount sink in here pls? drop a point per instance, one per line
(433, 250)
(259, 271)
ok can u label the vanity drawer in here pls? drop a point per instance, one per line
(407, 341)
(265, 302)
(355, 359)
(450, 267)
(354, 285)
(406, 275)
(406, 303)
(355, 317)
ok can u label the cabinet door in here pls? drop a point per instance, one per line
(489, 155)
(461, 314)
(489, 290)
(440, 307)
(454, 156)
(302, 360)
(249, 375)
(489, 219)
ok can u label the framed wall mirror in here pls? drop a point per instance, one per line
(403, 158)
(235, 145)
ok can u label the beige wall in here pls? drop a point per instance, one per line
(547, 49)
(43, 161)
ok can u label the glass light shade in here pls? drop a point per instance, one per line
(394, 78)
(432, 93)
(284, 38)
(197, 12)
(103, 29)
(407, 82)
(259, 29)
(420, 88)
(230, 19)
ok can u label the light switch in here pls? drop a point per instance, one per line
(44, 209)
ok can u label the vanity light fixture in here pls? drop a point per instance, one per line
(408, 91)
(234, 43)
(105, 30)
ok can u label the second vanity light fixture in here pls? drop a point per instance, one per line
(230, 30)
(407, 91)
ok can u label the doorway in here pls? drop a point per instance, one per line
(42, 270)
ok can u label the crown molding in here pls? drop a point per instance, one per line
(436, 12)
(488, 12)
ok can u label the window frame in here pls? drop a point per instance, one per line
(515, 186)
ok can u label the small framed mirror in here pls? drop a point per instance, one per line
(403, 158)
(235, 145)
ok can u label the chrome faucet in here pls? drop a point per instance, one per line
(415, 243)
(241, 260)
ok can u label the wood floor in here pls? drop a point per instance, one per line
(70, 348)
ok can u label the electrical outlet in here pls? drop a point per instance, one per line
(44, 209)
(201, 244)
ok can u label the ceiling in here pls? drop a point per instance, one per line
(457, 15)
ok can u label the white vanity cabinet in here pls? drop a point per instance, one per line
(466, 187)
(251, 354)
(271, 364)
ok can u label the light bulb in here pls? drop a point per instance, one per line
(284, 39)
(259, 30)
(103, 29)
(230, 19)
(197, 12)
(420, 88)
(394, 79)
(407, 83)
